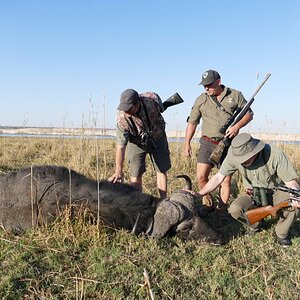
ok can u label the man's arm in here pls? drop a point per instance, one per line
(294, 185)
(120, 156)
(232, 131)
(121, 143)
(189, 133)
(212, 184)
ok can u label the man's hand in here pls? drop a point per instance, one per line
(187, 150)
(116, 177)
(232, 131)
(193, 193)
(295, 203)
(293, 184)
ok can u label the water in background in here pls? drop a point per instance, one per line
(111, 137)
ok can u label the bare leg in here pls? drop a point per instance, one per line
(224, 191)
(203, 171)
(137, 182)
(162, 184)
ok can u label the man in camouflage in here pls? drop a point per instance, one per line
(262, 167)
(141, 127)
(214, 107)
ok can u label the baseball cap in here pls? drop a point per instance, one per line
(128, 98)
(209, 77)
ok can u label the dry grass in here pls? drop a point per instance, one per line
(72, 259)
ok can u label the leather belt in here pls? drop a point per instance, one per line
(211, 140)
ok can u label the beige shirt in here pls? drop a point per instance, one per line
(277, 170)
(213, 117)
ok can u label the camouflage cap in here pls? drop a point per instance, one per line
(128, 98)
(209, 77)
(243, 147)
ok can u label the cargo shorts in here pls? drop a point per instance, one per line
(160, 157)
(205, 150)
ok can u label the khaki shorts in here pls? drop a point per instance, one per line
(160, 158)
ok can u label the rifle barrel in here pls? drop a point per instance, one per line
(250, 101)
(292, 191)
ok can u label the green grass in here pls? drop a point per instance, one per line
(72, 259)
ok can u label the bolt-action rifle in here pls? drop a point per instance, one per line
(257, 214)
(236, 117)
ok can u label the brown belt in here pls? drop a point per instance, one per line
(210, 140)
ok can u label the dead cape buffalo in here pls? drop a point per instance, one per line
(36, 195)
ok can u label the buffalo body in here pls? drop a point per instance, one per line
(37, 195)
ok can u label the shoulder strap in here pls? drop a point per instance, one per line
(214, 98)
(147, 116)
(265, 160)
(133, 126)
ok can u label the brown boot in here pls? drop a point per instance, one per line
(208, 201)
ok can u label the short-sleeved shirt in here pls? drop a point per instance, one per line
(213, 116)
(270, 169)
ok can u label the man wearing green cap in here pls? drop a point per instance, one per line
(215, 106)
(141, 128)
(262, 167)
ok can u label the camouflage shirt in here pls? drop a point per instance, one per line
(149, 121)
(215, 117)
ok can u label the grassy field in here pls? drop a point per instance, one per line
(72, 259)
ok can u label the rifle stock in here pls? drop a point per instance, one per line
(257, 214)
(173, 100)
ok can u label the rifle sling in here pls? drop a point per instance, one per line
(265, 160)
(217, 102)
(133, 126)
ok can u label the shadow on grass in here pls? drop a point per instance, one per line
(225, 225)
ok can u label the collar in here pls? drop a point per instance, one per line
(224, 93)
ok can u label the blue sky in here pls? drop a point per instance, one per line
(65, 63)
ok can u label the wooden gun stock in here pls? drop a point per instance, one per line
(257, 214)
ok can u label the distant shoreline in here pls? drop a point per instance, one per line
(60, 131)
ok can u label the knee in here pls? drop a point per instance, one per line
(226, 181)
(235, 211)
(202, 178)
(292, 212)
(136, 182)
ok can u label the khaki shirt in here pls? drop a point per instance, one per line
(277, 170)
(213, 117)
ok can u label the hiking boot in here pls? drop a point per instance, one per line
(251, 231)
(283, 242)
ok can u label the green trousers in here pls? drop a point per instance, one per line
(286, 217)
